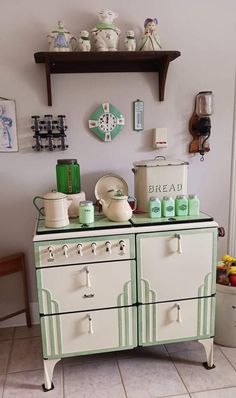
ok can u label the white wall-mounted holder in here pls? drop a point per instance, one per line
(160, 137)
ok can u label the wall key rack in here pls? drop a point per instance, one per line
(104, 62)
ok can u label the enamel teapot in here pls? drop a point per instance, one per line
(55, 209)
(118, 209)
(61, 40)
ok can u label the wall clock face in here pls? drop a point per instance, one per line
(106, 122)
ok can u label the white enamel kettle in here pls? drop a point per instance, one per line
(55, 209)
(118, 208)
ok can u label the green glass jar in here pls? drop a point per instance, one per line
(193, 205)
(86, 212)
(154, 207)
(68, 176)
(181, 205)
(168, 207)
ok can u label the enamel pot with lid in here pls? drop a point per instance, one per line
(55, 209)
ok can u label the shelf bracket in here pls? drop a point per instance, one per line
(162, 77)
(48, 81)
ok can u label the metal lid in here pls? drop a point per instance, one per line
(167, 198)
(161, 161)
(67, 161)
(181, 197)
(86, 203)
(192, 196)
(154, 198)
(54, 195)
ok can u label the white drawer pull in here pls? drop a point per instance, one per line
(179, 319)
(88, 295)
(179, 246)
(90, 331)
(80, 249)
(65, 249)
(93, 247)
(88, 280)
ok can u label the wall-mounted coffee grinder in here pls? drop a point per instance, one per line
(200, 123)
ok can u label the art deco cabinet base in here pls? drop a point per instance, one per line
(123, 286)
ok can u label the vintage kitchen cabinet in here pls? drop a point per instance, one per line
(125, 285)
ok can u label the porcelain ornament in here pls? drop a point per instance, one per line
(106, 34)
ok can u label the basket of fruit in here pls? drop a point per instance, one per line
(226, 271)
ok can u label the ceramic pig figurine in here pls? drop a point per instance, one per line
(106, 34)
(150, 40)
(83, 41)
(130, 41)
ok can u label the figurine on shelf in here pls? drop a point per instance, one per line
(150, 40)
(60, 39)
(84, 41)
(130, 41)
(106, 34)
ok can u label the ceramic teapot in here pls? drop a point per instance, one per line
(118, 209)
(61, 40)
(55, 209)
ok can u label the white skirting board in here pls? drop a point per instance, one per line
(20, 320)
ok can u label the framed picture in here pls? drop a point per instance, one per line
(8, 131)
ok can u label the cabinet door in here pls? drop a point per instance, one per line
(87, 286)
(175, 265)
(88, 332)
(176, 321)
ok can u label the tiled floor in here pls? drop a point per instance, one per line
(173, 370)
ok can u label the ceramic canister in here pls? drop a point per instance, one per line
(86, 212)
(75, 198)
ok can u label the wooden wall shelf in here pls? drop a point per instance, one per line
(104, 62)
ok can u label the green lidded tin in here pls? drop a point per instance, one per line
(181, 205)
(86, 212)
(68, 176)
(154, 207)
(168, 207)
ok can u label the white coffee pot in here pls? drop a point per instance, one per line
(55, 209)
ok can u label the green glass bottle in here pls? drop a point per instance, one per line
(168, 207)
(154, 207)
(68, 176)
(193, 205)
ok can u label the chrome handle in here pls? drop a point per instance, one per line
(179, 318)
(80, 249)
(88, 280)
(90, 331)
(179, 246)
(91, 295)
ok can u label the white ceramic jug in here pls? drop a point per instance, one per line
(55, 209)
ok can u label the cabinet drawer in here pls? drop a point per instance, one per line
(176, 265)
(85, 287)
(173, 321)
(88, 332)
(84, 250)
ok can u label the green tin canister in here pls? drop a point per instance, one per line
(154, 207)
(181, 205)
(86, 212)
(68, 176)
(168, 207)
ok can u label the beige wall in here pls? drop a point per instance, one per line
(204, 32)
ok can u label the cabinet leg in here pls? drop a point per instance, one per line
(208, 345)
(49, 365)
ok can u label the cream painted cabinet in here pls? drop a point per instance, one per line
(176, 285)
(139, 285)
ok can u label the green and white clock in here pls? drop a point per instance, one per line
(106, 122)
